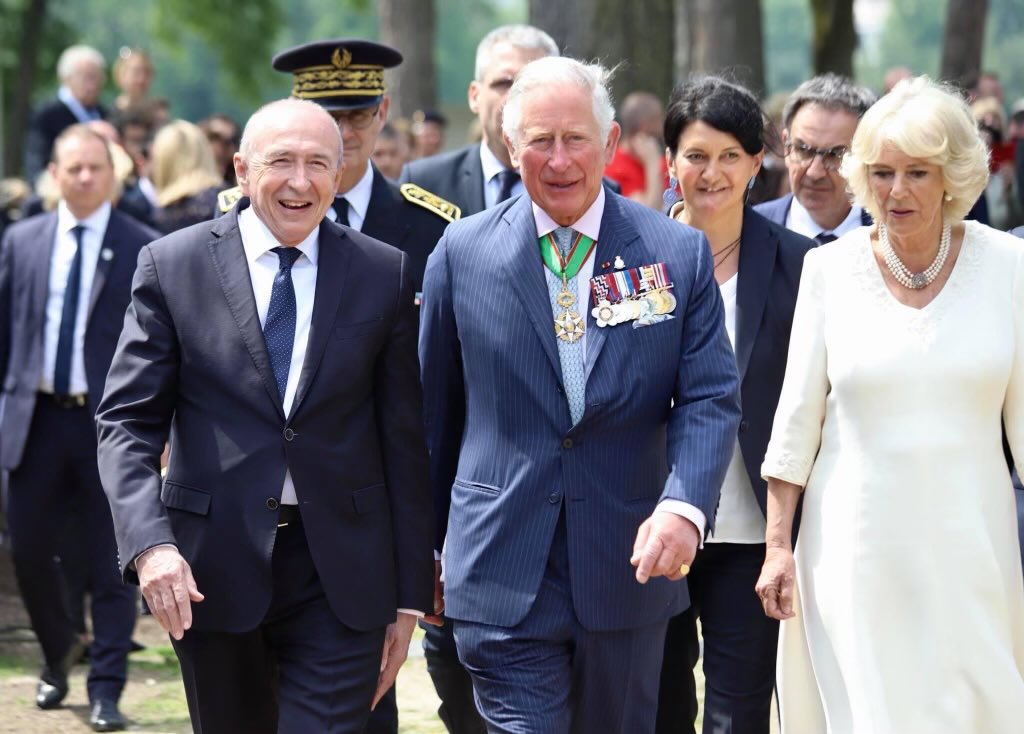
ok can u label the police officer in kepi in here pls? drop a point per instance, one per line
(345, 76)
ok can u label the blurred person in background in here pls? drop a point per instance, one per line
(1004, 206)
(638, 165)
(184, 175)
(428, 128)
(133, 75)
(82, 73)
(894, 76)
(390, 152)
(224, 136)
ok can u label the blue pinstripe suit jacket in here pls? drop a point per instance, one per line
(660, 420)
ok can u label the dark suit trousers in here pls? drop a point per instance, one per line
(58, 476)
(300, 671)
(451, 681)
(549, 675)
(740, 644)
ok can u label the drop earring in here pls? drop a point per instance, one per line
(671, 195)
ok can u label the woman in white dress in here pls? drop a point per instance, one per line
(903, 605)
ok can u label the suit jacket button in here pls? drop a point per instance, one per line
(272, 503)
(744, 425)
(289, 434)
(553, 498)
(567, 443)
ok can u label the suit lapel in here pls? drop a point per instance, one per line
(383, 222)
(616, 235)
(43, 256)
(232, 268)
(758, 248)
(331, 270)
(108, 250)
(472, 183)
(523, 269)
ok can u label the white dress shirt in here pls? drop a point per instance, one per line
(492, 185)
(263, 266)
(358, 198)
(799, 220)
(77, 108)
(739, 518)
(590, 225)
(64, 247)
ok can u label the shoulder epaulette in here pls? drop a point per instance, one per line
(228, 198)
(432, 202)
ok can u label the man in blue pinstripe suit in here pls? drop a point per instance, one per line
(576, 451)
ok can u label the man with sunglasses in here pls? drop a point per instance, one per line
(819, 119)
(346, 77)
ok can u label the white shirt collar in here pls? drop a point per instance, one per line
(358, 196)
(77, 108)
(95, 222)
(489, 162)
(258, 240)
(589, 224)
(800, 221)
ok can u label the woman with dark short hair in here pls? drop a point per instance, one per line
(717, 136)
(903, 605)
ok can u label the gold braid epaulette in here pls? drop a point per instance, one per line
(431, 202)
(228, 198)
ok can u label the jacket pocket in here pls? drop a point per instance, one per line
(188, 499)
(370, 499)
(479, 486)
(357, 329)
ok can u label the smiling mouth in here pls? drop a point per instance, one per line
(294, 205)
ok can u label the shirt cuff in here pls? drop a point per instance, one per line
(135, 560)
(691, 513)
(414, 612)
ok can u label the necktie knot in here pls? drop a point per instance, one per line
(78, 231)
(286, 256)
(823, 238)
(563, 238)
(507, 179)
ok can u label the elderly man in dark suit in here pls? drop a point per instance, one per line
(276, 350)
(65, 282)
(481, 175)
(82, 72)
(571, 436)
(819, 120)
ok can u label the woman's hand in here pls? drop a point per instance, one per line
(775, 586)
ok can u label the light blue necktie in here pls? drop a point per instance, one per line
(570, 354)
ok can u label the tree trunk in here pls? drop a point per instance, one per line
(727, 39)
(835, 37)
(964, 40)
(21, 107)
(409, 26)
(636, 37)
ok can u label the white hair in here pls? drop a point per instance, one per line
(72, 56)
(265, 114)
(525, 37)
(553, 71)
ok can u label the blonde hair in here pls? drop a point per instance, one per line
(927, 120)
(182, 162)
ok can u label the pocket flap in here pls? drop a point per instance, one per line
(179, 497)
(370, 499)
(360, 328)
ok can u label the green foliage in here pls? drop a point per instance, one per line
(787, 43)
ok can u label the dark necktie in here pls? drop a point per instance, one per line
(279, 328)
(506, 180)
(341, 209)
(68, 317)
(823, 238)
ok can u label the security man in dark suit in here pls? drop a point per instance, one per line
(65, 282)
(345, 76)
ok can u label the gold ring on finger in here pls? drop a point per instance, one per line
(684, 569)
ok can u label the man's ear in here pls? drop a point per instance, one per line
(613, 140)
(471, 95)
(512, 154)
(241, 172)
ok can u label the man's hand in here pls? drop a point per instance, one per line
(396, 648)
(436, 618)
(168, 587)
(775, 586)
(664, 542)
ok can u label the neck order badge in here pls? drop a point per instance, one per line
(569, 325)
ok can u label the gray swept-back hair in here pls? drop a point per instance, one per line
(831, 91)
(524, 37)
(72, 56)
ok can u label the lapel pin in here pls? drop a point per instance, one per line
(107, 254)
(605, 265)
(619, 262)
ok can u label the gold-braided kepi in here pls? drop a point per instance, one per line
(339, 74)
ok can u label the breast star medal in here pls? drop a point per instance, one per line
(569, 325)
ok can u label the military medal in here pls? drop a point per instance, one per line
(642, 295)
(569, 325)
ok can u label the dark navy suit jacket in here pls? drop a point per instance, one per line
(192, 363)
(24, 287)
(660, 418)
(457, 176)
(47, 123)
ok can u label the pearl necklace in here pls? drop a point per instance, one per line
(902, 274)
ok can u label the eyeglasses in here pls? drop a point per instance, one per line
(356, 119)
(805, 154)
